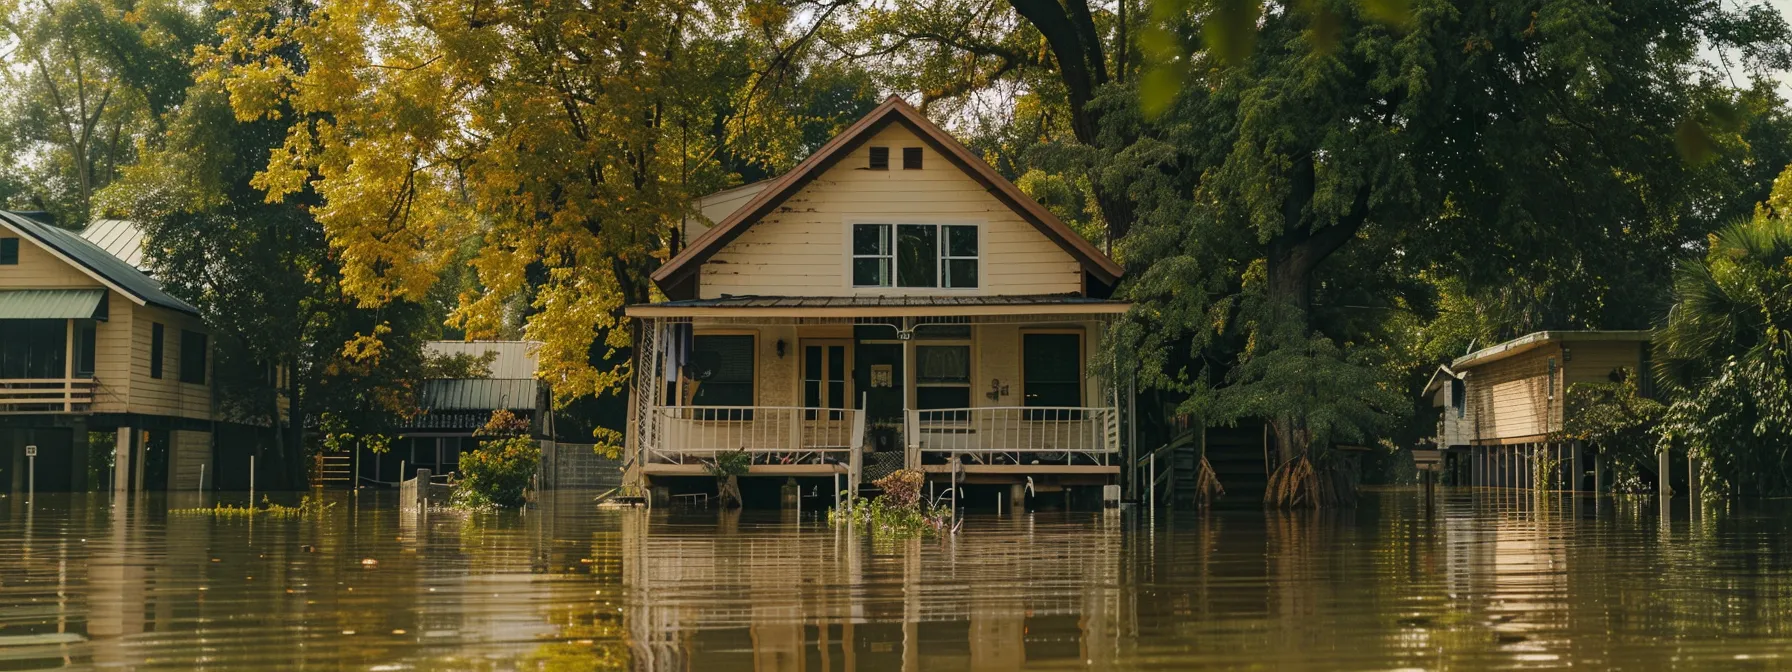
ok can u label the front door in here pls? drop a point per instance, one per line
(877, 370)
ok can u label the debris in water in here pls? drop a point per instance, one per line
(369, 562)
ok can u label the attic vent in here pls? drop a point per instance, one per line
(880, 158)
(911, 158)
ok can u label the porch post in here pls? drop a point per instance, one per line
(68, 367)
(121, 460)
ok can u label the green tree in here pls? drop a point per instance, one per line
(1726, 350)
(562, 141)
(261, 273)
(82, 80)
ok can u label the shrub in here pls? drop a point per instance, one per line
(499, 471)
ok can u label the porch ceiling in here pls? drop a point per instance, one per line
(881, 306)
(52, 304)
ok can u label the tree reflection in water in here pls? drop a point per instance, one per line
(1487, 580)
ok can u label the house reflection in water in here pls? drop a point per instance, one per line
(774, 596)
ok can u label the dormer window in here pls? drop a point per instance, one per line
(911, 158)
(915, 255)
(880, 158)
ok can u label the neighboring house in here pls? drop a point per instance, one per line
(455, 408)
(1516, 403)
(88, 342)
(891, 291)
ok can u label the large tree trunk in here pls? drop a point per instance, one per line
(1069, 29)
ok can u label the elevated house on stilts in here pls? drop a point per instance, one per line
(890, 302)
(1503, 410)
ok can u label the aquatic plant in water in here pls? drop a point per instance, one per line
(728, 469)
(900, 510)
(266, 509)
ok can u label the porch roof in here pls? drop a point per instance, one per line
(53, 304)
(880, 306)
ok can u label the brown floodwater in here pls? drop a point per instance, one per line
(1485, 581)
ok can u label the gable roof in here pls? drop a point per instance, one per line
(95, 262)
(1443, 373)
(892, 111)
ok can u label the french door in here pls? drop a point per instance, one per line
(827, 372)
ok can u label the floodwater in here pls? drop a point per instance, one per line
(1486, 581)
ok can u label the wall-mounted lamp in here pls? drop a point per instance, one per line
(780, 348)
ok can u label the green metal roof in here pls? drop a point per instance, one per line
(52, 304)
(95, 261)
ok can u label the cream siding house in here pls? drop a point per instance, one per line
(88, 342)
(1516, 404)
(890, 302)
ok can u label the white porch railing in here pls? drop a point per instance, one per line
(772, 434)
(1019, 433)
(46, 395)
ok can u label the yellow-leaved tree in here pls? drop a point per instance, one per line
(549, 149)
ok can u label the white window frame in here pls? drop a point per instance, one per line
(940, 255)
(853, 256)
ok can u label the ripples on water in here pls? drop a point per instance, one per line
(1489, 581)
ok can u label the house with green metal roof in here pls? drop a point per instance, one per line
(89, 343)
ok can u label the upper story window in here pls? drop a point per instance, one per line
(1458, 397)
(192, 357)
(880, 158)
(9, 251)
(911, 158)
(915, 255)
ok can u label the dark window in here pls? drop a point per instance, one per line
(1645, 381)
(943, 377)
(873, 255)
(919, 255)
(911, 158)
(192, 357)
(880, 158)
(1551, 389)
(1051, 372)
(721, 371)
(9, 251)
(155, 350)
(86, 341)
(959, 258)
(917, 261)
(1458, 397)
(33, 348)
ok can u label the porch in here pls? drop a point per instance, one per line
(860, 386)
(48, 353)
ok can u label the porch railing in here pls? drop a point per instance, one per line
(1019, 433)
(46, 395)
(772, 434)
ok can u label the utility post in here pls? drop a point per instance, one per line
(30, 474)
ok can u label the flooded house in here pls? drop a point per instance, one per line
(454, 409)
(890, 302)
(90, 343)
(1503, 409)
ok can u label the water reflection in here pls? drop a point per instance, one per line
(1485, 580)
